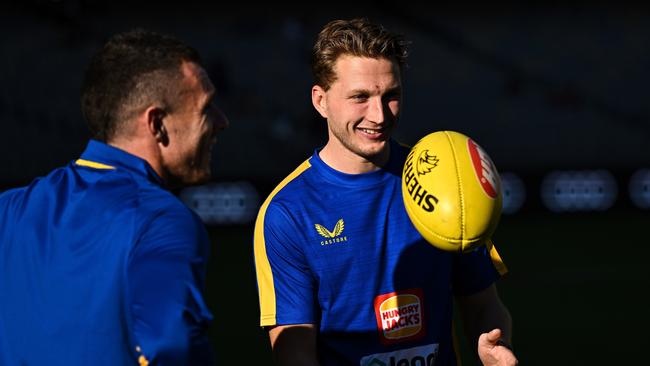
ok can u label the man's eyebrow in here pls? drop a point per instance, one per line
(359, 91)
(394, 89)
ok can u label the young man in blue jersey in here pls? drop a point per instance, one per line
(99, 263)
(343, 276)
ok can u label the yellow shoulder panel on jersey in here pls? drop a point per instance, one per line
(263, 267)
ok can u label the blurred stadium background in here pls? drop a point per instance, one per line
(557, 95)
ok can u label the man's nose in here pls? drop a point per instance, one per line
(376, 111)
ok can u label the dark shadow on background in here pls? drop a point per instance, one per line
(231, 295)
(412, 271)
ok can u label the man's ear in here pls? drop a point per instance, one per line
(319, 100)
(156, 124)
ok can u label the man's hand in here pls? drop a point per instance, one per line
(493, 352)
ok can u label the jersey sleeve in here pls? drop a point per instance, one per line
(166, 275)
(285, 283)
(476, 270)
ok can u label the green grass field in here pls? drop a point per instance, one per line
(575, 290)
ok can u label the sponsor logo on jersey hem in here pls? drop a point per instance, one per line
(421, 356)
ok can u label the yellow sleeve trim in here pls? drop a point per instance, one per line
(262, 265)
(93, 164)
(143, 361)
(496, 258)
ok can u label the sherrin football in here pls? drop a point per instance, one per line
(451, 191)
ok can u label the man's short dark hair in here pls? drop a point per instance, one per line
(356, 37)
(132, 71)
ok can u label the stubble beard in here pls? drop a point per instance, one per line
(348, 141)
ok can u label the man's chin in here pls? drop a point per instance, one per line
(196, 178)
(200, 178)
(377, 154)
(378, 148)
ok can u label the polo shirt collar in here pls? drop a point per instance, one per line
(105, 156)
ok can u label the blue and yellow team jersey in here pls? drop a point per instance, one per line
(99, 265)
(339, 251)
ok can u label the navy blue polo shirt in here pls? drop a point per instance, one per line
(99, 265)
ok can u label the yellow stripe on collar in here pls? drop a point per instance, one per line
(93, 164)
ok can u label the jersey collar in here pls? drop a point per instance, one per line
(378, 176)
(103, 156)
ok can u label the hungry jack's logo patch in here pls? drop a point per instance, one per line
(400, 316)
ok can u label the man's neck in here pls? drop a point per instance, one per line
(346, 161)
(146, 150)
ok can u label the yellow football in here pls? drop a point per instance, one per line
(451, 191)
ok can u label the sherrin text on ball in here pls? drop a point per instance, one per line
(451, 191)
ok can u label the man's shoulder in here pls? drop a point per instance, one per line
(126, 192)
(288, 197)
(9, 199)
(10, 194)
(42, 186)
(293, 186)
(158, 204)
